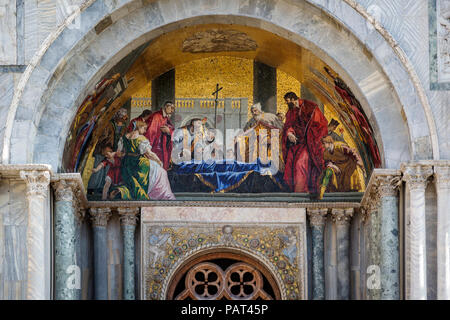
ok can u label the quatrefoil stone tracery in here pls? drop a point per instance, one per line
(207, 281)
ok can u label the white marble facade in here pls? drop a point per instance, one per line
(394, 34)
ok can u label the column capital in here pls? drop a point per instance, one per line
(100, 216)
(128, 216)
(317, 216)
(342, 216)
(365, 215)
(64, 190)
(442, 176)
(387, 185)
(37, 182)
(416, 175)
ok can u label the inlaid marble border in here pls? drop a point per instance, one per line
(211, 229)
(434, 61)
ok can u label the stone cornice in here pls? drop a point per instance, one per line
(12, 171)
(226, 204)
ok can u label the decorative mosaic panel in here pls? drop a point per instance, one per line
(279, 247)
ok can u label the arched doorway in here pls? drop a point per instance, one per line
(223, 276)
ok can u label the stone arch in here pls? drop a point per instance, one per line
(72, 60)
(246, 254)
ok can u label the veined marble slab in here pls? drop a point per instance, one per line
(8, 36)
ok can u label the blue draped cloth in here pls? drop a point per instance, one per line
(224, 175)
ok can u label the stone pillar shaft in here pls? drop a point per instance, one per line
(37, 191)
(67, 273)
(389, 251)
(442, 179)
(317, 222)
(128, 219)
(416, 181)
(341, 218)
(100, 218)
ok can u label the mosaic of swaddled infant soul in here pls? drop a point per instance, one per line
(214, 126)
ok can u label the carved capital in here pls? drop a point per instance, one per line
(100, 216)
(80, 214)
(416, 176)
(317, 217)
(342, 216)
(37, 182)
(372, 203)
(365, 215)
(387, 186)
(442, 176)
(128, 216)
(64, 190)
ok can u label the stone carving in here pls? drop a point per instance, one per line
(100, 216)
(128, 216)
(64, 190)
(166, 248)
(37, 182)
(317, 217)
(215, 40)
(342, 216)
(442, 175)
(388, 185)
(416, 176)
(443, 34)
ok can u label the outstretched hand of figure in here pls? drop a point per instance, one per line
(292, 138)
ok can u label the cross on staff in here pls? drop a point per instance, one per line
(216, 102)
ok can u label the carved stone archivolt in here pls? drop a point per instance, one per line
(280, 248)
(37, 182)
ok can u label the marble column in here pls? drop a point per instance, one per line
(442, 180)
(37, 192)
(100, 217)
(128, 220)
(389, 236)
(67, 273)
(317, 222)
(342, 218)
(416, 177)
(365, 218)
(374, 269)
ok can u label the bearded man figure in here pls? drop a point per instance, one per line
(303, 131)
(258, 116)
(159, 133)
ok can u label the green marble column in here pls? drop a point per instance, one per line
(67, 281)
(128, 219)
(389, 236)
(317, 222)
